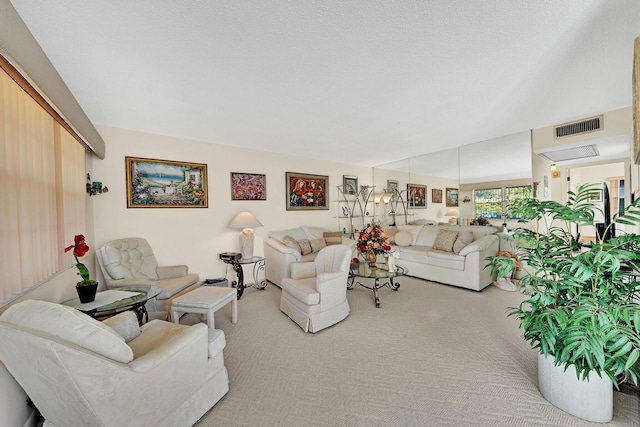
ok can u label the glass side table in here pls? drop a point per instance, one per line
(258, 266)
(104, 306)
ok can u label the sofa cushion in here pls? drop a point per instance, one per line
(413, 229)
(332, 237)
(305, 246)
(464, 238)
(303, 290)
(317, 244)
(445, 240)
(292, 243)
(415, 254)
(71, 325)
(445, 259)
(314, 233)
(297, 233)
(390, 231)
(427, 236)
(403, 238)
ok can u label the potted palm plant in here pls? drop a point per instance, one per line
(86, 287)
(579, 311)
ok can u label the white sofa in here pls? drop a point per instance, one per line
(81, 372)
(464, 269)
(278, 256)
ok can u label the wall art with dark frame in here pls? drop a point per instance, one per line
(349, 184)
(452, 197)
(306, 191)
(417, 195)
(153, 183)
(248, 186)
(436, 195)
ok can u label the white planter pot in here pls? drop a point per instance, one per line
(590, 400)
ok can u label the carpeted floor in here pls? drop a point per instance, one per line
(431, 355)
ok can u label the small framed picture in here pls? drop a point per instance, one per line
(452, 197)
(392, 185)
(248, 186)
(417, 195)
(595, 196)
(436, 195)
(349, 184)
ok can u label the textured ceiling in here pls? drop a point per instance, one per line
(365, 82)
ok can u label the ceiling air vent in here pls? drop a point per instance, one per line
(572, 153)
(576, 128)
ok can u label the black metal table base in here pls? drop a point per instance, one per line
(352, 284)
(240, 285)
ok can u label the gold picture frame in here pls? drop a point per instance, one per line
(306, 191)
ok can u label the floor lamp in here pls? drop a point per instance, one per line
(246, 222)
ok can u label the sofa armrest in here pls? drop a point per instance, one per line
(482, 244)
(172, 271)
(281, 247)
(125, 324)
(303, 270)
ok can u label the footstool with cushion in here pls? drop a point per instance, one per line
(205, 300)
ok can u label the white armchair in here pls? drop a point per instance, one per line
(130, 261)
(315, 296)
(81, 372)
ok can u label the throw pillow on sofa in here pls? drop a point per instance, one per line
(403, 238)
(305, 247)
(332, 237)
(445, 240)
(317, 244)
(464, 238)
(292, 243)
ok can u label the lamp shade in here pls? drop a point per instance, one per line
(244, 219)
(452, 212)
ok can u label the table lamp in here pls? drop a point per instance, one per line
(246, 222)
(452, 214)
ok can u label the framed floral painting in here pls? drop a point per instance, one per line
(306, 191)
(248, 186)
(417, 195)
(155, 183)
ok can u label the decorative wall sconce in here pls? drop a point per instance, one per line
(466, 199)
(95, 187)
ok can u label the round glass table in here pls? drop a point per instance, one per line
(381, 271)
(113, 301)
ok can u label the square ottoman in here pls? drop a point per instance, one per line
(205, 300)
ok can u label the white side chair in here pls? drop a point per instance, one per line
(130, 261)
(315, 296)
(82, 372)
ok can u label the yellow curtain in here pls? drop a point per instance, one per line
(40, 201)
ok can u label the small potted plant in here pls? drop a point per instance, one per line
(87, 287)
(579, 312)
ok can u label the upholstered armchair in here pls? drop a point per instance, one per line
(130, 261)
(82, 372)
(315, 296)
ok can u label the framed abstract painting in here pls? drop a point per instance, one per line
(306, 191)
(248, 186)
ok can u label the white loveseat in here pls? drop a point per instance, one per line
(279, 252)
(415, 246)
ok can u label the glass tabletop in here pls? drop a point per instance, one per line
(250, 260)
(381, 271)
(143, 293)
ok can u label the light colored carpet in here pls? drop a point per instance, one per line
(431, 355)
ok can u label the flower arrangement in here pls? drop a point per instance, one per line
(80, 249)
(373, 240)
(480, 221)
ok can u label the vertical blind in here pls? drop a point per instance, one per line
(42, 197)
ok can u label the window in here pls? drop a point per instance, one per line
(43, 197)
(492, 202)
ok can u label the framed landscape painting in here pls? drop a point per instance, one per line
(417, 195)
(306, 191)
(436, 195)
(248, 186)
(155, 183)
(452, 197)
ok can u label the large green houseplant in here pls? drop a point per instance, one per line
(580, 306)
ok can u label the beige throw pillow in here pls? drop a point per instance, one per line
(292, 243)
(317, 244)
(464, 238)
(305, 246)
(332, 238)
(445, 240)
(403, 238)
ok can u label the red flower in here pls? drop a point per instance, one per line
(80, 249)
